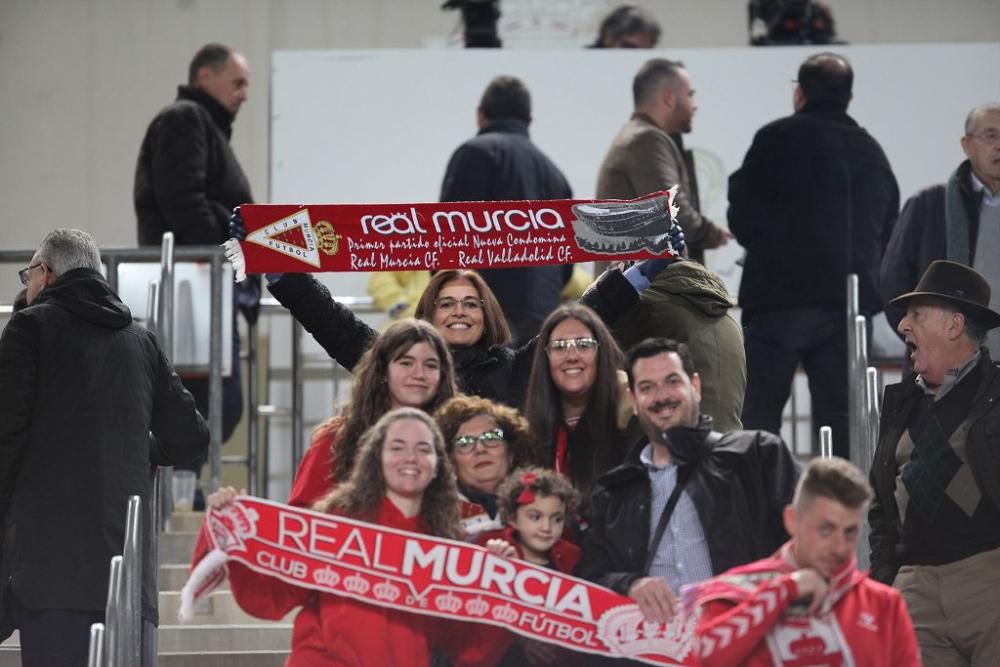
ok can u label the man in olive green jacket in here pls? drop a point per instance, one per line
(690, 304)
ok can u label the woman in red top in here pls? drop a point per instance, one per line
(407, 366)
(402, 479)
(576, 399)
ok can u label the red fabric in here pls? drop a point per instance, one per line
(564, 555)
(335, 631)
(313, 480)
(562, 450)
(746, 625)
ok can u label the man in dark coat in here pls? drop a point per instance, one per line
(935, 521)
(957, 221)
(188, 180)
(81, 388)
(813, 202)
(501, 163)
(722, 495)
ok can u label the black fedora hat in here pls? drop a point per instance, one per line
(957, 284)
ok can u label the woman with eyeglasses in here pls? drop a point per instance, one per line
(403, 480)
(576, 396)
(485, 441)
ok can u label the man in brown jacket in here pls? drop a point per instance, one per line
(643, 157)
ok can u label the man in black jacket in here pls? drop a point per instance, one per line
(813, 202)
(721, 495)
(188, 180)
(81, 388)
(501, 163)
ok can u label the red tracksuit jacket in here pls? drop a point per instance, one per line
(747, 618)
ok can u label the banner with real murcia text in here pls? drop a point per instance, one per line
(428, 575)
(286, 238)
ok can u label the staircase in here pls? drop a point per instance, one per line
(221, 634)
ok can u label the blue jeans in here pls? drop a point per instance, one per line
(776, 342)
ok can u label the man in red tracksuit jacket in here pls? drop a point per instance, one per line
(808, 604)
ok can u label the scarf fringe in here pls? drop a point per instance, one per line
(206, 576)
(234, 253)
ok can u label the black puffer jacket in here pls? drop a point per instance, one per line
(499, 374)
(187, 179)
(739, 487)
(81, 387)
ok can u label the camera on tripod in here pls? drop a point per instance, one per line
(480, 20)
(788, 22)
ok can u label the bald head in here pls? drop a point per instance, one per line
(826, 80)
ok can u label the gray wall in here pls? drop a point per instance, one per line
(80, 79)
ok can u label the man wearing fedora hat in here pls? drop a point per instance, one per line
(935, 521)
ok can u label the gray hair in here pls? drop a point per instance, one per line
(982, 109)
(63, 250)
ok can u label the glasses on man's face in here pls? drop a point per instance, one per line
(989, 137)
(449, 304)
(464, 444)
(25, 273)
(560, 347)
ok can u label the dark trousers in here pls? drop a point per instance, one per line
(776, 343)
(53, 636)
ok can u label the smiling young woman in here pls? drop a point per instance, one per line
(402, 479)
(576, 399)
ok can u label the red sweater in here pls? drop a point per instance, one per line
(746, 620)
(337, 631)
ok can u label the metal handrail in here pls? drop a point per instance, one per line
(95, 655)
(165, 310)
(114, 636)
(132, 589)
(826, 442)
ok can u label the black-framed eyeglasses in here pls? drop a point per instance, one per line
(25, 273)
(449, 304)
(464, 444)
(561, 346)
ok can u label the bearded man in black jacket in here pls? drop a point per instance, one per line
(688, 503)
(81, 388)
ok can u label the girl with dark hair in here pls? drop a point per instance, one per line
(485, 441)
(537, 504)
(576, 396)
(409, 365)
(401, 479)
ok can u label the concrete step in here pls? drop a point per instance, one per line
(223, 659)
(223, 638)
(173, 578)
(12, 658)
(185, 522)
(219, 607)
(176, 548)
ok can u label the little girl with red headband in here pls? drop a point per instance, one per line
(536, 504)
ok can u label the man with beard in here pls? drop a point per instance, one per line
(688, 502)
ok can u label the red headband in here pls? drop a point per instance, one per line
(527, 495)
